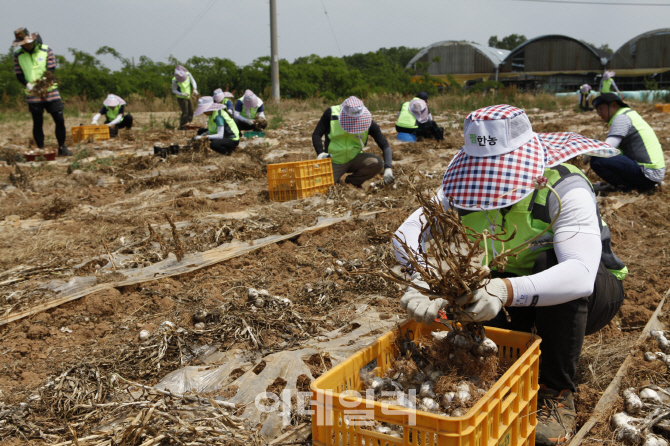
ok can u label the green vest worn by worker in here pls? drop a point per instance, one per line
(184, 87)
(528, 218)
(343, 146)
(607, 86)
(640, 144)
(252, 111)
(113, 112)
(34, 64)
(406, 119)
(212, 127)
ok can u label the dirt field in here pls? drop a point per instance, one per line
(60, 221)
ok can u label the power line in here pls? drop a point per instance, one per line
(190, 27)
(578, 2)
(331, 28)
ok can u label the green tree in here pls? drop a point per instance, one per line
(507, 43)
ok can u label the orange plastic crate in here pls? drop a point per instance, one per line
(504, 416)
(665, 108)
(98, 132)
(299, 179)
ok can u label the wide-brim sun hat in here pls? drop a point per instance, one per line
(23, 37)
(585, 88)
(250, 100)
(355, 118)
(113, 100)
(218, 95)
(227, 94)
(608, 98)
(206, 103)
(419, 109)
(608, 75)
(180, 73)
(502, 156)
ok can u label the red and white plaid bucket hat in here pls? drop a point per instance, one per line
(206, 103)
(502, 155)
(419, 109)
(355, 118)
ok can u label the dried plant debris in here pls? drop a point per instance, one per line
(41, 87)
(103, 409)
(170, 347)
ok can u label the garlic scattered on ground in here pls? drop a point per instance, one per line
(144, 335)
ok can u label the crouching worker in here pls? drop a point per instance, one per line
(567, 286)
(112, 110)
(415, 118)
(346, 128)
(221, 129)
(249, 112)
(642, 164)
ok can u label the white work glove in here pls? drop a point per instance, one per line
(420, 307)
(197, 137)
(30, 86)
(486, 302)
(95, 119)
(323, 155)
(388, 176)
(195, 92)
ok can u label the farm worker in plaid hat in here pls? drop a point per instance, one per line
(113, 111)
(607, 83)
(249, 112)
(642, 164)
(415, 118)
(567, 284)
(583, 93)
(221, 129)
(224, 97)
(32, 59)
(347, 127)
(184, 86)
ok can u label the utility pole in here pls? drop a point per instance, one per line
(274, 57)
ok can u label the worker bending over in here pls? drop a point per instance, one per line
(184, 86)
(113, 111)
(249, 112)
(221, 129)
(415, 118)
(641, 165)
(347, 127)
(567, 285)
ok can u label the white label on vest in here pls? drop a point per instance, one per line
(40, 59)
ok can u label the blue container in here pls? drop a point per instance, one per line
(406, 137)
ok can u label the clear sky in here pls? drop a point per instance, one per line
(240, 30)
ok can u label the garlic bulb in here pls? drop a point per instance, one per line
(144, 335)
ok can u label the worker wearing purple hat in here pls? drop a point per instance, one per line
(184, 86)
(32, 59)
(346, 128)
(249, 112)
(565, 285)
(113, 111)
(224, 97)
(221, 129)
(583, 93)
(607, 83)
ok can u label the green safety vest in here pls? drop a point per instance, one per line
(641, 143)
(607, 86)
(112, 113)
(343, 146)
(406, 119)
(184, 87)
(528, 218)
(212, 127)
(34, 65)
(252, 111)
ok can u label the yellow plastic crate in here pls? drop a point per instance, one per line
(665, 108)
(98, 132)
(299, 179)
(504, 416)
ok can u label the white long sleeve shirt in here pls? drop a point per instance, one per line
(175, 86)
(576, 240)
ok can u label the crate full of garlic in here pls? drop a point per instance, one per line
(393, 392)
